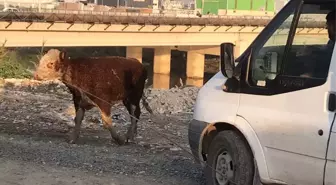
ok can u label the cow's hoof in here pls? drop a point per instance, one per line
(130, 140)
(71, 141)
(120, 140)
(131, 135)
(73, 138)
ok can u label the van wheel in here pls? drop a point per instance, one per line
(230, 156)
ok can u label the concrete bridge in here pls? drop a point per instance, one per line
(198, 36)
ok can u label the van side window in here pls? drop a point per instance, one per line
(266, 62)
(310, 53)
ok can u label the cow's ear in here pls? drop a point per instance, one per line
(62, 55)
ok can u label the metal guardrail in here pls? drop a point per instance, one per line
(114, 17)
(114, 11)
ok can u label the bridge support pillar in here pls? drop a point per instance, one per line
(134, 52)
(240, 47)
(162, 57)
(161, 81)
(194, 82)
(161, 68)
(195, 65)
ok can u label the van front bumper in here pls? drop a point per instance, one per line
(195, 136)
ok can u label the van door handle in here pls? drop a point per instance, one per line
(332, 102)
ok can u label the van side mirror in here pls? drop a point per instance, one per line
(227, 59)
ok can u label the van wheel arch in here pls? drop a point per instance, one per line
(216, 128)
(213, 130)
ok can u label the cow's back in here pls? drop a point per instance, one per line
(109, 78)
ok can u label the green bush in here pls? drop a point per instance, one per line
(10, 67)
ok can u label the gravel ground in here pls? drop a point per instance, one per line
(34, 124)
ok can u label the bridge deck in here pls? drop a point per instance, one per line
(142, 19)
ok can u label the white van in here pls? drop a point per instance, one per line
(270, 118)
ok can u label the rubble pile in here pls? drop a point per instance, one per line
(169, 101)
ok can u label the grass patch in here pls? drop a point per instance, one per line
(13, 65)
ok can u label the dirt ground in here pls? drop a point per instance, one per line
(34, 125)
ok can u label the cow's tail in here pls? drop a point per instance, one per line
(145, 104)
(144, 98)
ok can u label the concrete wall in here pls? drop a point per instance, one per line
(70, 6)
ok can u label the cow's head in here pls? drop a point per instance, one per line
(50, 65)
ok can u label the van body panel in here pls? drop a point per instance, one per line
(213, 105)
(287, 126)
(287, 123)
(330, 178)
(330, 170)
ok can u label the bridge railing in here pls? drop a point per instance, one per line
(116, 12)
(115, 17)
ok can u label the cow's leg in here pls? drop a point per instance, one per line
(134, 107)
(135, 115)
(108, 124)
(127, 104)
(78, 121)
(74, 135)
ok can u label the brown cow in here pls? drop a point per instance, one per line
(98, 81)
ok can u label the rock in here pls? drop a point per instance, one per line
(175, 100)
(175, 149)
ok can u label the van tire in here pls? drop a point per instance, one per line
(234, 145)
